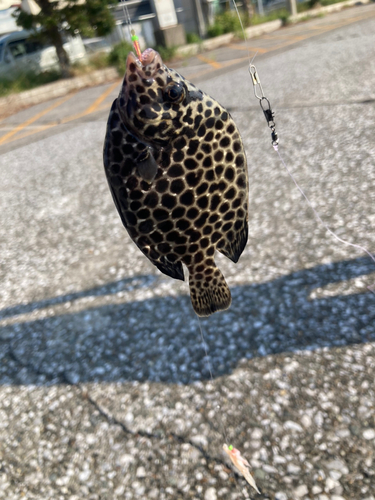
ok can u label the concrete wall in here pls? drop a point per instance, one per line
(186, 15)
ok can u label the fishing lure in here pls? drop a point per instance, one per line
(241, 464)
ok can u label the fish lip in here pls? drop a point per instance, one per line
(132, 58)
(148, 57)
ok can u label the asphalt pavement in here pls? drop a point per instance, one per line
(105, 390)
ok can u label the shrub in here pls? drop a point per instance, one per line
(303, 6)
(119, 53)
(227, 22)
(99, 60)
(282, 14)
(193, 38)
(214, 30)
(27, 81)
(328, 2)
(166, 53)
(93, 62)
(285, 18)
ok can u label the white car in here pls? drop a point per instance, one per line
(19, 54)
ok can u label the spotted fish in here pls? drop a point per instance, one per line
(176, 168)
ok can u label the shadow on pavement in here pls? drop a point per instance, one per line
(126, 284)
(158, 338)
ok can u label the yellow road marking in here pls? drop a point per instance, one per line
(298, 38)
(250, 48)
(200, 73)
(101, 98)
(23, 125)
(291, 40)
(323, 27)
(238, 60)
(209, 61)
(285, 44)
(32, 132)
(342, 22)
(226, 64)
(95, 106)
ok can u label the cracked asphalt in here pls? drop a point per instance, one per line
(105, 390)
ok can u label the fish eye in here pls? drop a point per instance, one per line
(174, 92)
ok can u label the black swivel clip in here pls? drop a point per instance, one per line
(270, 117)
(265, 105)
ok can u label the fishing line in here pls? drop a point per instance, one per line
(136, 45)
(126, 18)
(132, 35)
(269, 115)
(318, 216)
(209, 366)
(244, 33)
(241, 464)
(270, 118)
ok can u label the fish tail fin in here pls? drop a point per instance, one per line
(209, 291)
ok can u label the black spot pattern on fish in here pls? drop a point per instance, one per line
(198, 201)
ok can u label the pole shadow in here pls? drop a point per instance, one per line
(158, 339)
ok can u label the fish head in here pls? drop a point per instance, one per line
(153, 98)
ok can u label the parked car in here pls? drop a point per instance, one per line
(19, 53)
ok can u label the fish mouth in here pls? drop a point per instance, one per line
(146, 65)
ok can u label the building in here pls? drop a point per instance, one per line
(164, 22)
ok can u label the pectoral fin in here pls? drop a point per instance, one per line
(147, 167)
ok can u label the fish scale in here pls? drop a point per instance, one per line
(177, 171)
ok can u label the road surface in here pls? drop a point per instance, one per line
(105, 391)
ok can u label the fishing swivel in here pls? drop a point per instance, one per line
(270, 117)
(264, 104)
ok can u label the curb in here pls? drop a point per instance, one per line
(261, 29)
(15, 102)
(328, 9)
(213, 43)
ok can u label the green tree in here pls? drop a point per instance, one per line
(90, 18)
